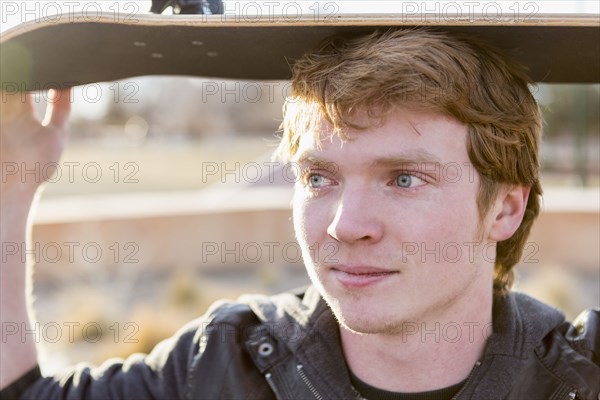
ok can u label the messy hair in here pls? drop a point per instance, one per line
(420, 69)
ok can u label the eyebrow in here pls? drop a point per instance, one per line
(415, 157)
(307, 158)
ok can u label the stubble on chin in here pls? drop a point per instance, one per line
(367, 323)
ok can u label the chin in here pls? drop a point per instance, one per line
(371, 326)
(363, 319)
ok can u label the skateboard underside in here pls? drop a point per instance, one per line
(77, 53)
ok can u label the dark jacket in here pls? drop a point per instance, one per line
(287, 347)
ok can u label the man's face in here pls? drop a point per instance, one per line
(388, 221)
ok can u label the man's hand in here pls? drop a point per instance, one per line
(24, 141)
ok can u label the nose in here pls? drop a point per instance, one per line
(356, 220)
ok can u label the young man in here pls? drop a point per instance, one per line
(419, 184)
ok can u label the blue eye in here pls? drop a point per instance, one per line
(315, 181)
(404, 180)
(408, 181)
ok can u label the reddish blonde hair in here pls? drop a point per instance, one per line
(435, 71)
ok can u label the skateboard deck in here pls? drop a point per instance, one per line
(40, 55)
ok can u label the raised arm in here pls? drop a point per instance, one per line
(162, 374)
(24, 141)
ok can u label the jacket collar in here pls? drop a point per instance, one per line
(314, 343)
(519, 324)
(292, 315)
(519, 321)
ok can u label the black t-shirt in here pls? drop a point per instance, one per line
(372, 393)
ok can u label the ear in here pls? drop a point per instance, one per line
(509, 209)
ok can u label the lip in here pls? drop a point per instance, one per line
(361, 276)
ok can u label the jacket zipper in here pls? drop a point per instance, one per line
(308, 384)
(462, 389)
(269, 378)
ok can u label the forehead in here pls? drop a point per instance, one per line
(414, 136)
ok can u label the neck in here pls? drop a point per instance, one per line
(432, 353)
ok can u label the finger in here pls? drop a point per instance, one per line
(59, 108)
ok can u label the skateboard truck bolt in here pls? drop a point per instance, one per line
(188, 6)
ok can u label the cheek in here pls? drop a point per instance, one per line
(302, 217)
(310, 219)
(451, 218)
(298, 213)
